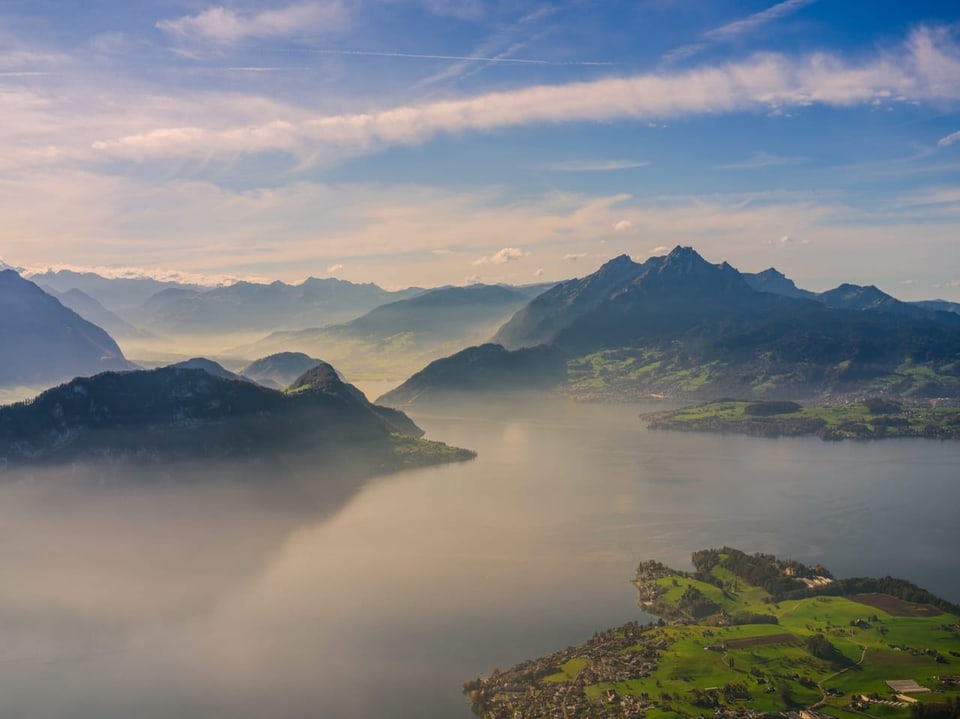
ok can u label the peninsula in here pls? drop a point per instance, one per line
(198, 410)
(873, 418)
(744, 635)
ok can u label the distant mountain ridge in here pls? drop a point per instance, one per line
(279, 370)
(773, 281)
(42, 342)
(117, 294)
(249, 306)
(404, 334)
(93, 311)
(678, 325)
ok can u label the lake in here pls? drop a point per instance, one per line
(206, 598)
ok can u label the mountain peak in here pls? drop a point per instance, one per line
(618, 261)
(685, 259)
(323, 377)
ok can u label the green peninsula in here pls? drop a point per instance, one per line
(745, 635)
(869, 419)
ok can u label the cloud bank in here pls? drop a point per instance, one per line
(925, 70)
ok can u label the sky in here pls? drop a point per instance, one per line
(429, 142)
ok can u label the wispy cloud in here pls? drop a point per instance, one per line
(208, 279)
(507, 254)
(574, 256)
(594, 165)
(761, 160)
(756, 21)
(927, 69)
(949, 139)
(223, 26)
(736, 29)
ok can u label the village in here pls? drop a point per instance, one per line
(542, 688)
(707, 634)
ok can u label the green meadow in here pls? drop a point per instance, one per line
(822, 651)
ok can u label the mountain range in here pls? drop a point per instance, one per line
(680, 326)
(93, 311)
(118, 294)
(249, 306)
(396, 338)
(42, 342)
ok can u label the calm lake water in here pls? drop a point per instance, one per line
(207, 599)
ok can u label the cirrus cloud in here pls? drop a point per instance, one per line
(925, 69)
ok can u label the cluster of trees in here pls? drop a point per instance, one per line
(950, 709)
(878, 405)
(733, 691)
(745, 617)
(771, 407)
(696, 603)
(760, 570)
(821, 647)
(899, 588)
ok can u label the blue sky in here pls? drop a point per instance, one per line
(435, 141)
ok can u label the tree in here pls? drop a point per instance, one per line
(785, 692)
(820, 647)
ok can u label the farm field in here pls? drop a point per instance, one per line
(788, 639)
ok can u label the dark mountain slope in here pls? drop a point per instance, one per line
(488, 368)
(680, 326)
(680, 296)
(549, 313)
(210, 367)
(172, 413)
(43, 342)
(938, 305)
(870, 298)
(325, 380)
(775, 282)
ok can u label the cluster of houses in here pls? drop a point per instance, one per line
(522, 693)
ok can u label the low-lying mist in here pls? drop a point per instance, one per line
(273, 588)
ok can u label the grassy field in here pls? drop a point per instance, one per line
(712, 666)
(853, 420)
(764, 657)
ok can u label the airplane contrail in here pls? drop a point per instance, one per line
(467, 58)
